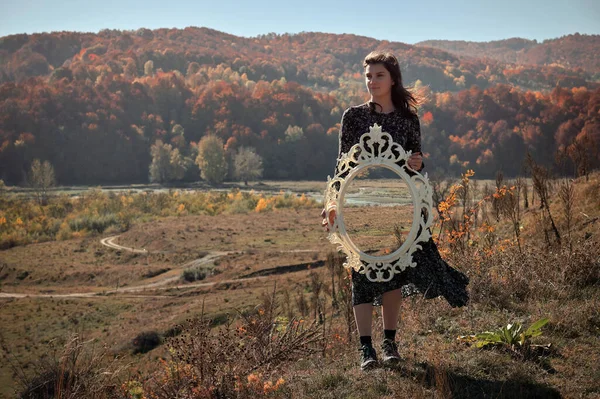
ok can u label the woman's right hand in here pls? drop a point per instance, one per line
(328, 220)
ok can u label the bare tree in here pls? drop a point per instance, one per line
(41, 178)
(247, 165)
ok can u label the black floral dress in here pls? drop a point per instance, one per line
(432, 277)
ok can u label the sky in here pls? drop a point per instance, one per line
(398, 21)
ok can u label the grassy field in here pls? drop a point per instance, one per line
(261, 248)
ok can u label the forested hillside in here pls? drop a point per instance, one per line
(569, 51)
(94, 105)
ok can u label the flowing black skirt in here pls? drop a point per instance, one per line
(432, 277)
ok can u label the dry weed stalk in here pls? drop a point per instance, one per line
(316, 285)
(440, 190)
(495, 201)
(507, 202)
(541, 181)
(224, 361)
(566, 194)
(75, 370)
(341, 292)
(458, 230)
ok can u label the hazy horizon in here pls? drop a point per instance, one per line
(467, 20)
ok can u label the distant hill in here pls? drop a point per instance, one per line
(570, 51)
(102, 108)
(308, 58)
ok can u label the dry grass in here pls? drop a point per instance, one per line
(507, 285)
(261, 240)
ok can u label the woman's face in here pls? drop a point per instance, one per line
(378, 80)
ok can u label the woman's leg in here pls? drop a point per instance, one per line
(363, 314)
(390, 307)
(391, 310)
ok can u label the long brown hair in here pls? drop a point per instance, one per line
(402, 98)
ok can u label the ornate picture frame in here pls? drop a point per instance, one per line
(377, 148)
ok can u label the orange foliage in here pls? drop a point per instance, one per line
(96, 102)
(427, 118)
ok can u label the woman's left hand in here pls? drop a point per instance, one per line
(415, 161)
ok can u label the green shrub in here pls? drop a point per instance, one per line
(22, 275)
(146, 341)
(195, 274)
(93, 223)
(241, 206)
(64, 232)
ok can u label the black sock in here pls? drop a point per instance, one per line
(366, 340)
(390, 334)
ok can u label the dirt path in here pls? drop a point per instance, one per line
(157, 285)
(108, 242)
(122, 292)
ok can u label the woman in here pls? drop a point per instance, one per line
(393, 108)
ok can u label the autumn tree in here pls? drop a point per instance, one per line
(247, 165)
(294, 133)
(211, 159)
(193, 68)
(149, 68)
(179, 164)
(579, 152)
(178, 137)
(167, 163)
(41, 178)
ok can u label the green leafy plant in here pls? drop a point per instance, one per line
(511, 336)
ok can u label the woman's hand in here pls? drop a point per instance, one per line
(415, 161)
(331, 217)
